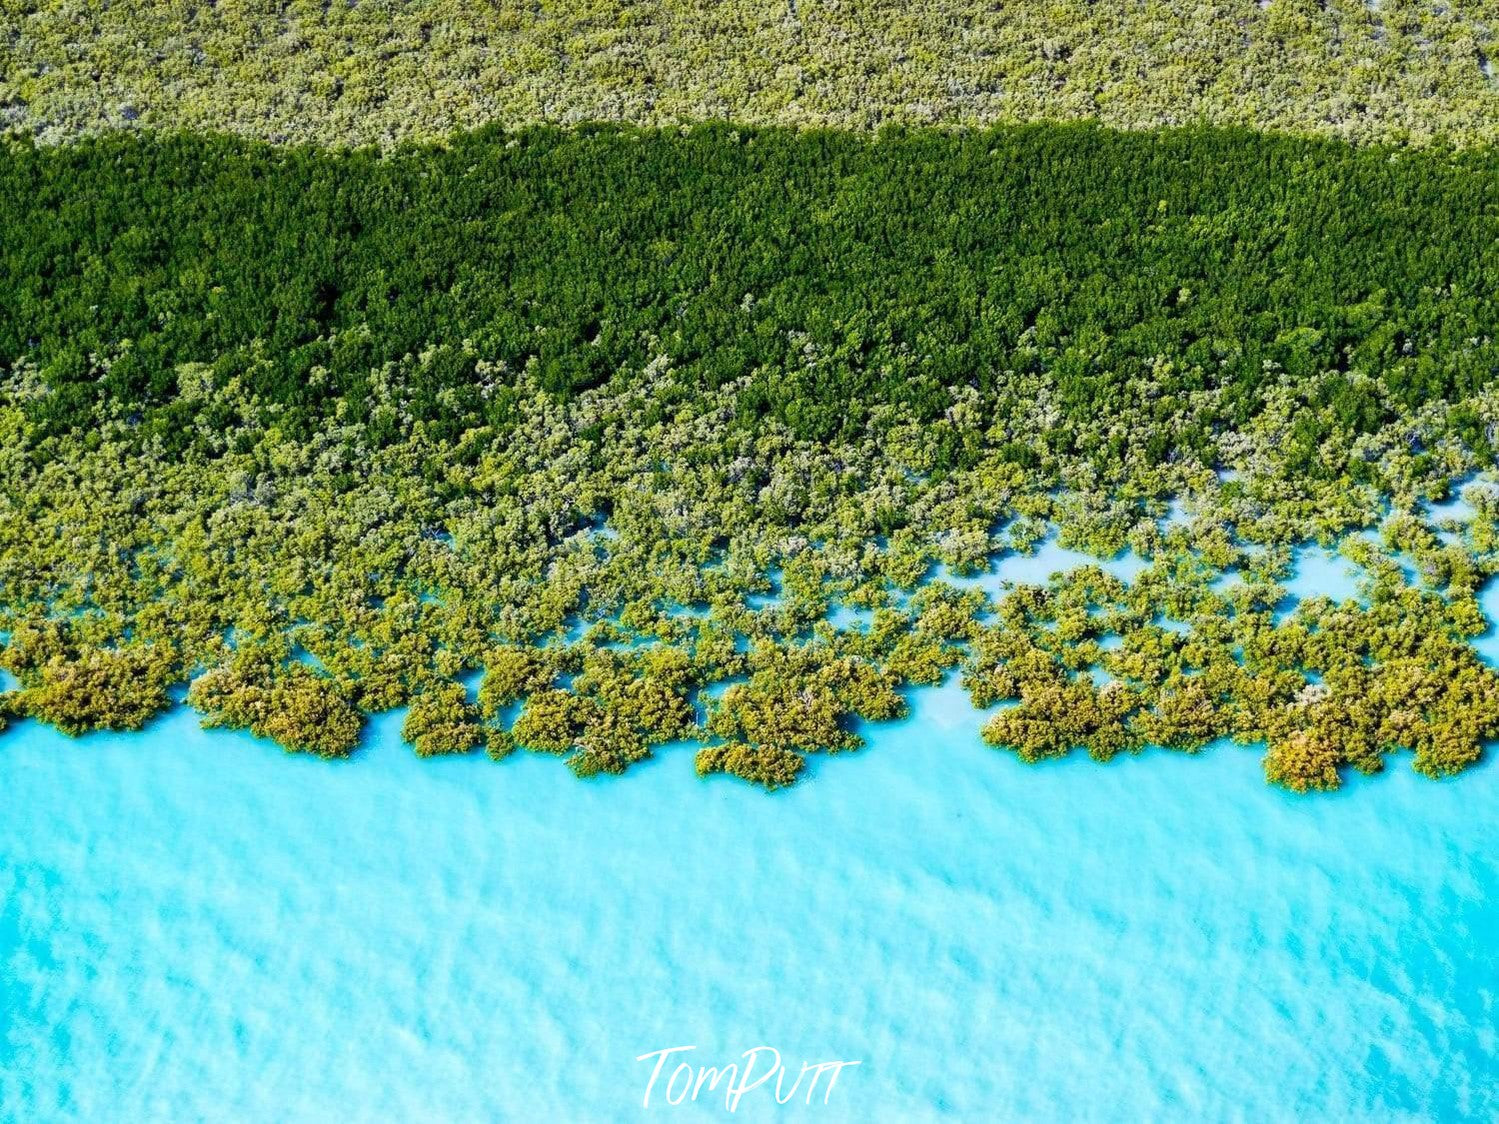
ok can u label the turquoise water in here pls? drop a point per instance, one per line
(196, 926)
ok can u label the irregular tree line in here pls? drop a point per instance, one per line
(623, 419)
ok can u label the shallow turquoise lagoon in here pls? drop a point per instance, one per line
(197, 926)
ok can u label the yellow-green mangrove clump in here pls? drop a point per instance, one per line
(296, 708)
(442, 720)
(769, 766)
(101, 690)
(1336, 686)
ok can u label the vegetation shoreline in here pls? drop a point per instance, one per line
(323, 431)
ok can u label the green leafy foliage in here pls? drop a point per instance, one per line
(1164, 280)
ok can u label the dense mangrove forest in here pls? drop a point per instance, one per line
(590, 441)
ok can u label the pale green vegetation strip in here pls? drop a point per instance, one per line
(340, 71)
